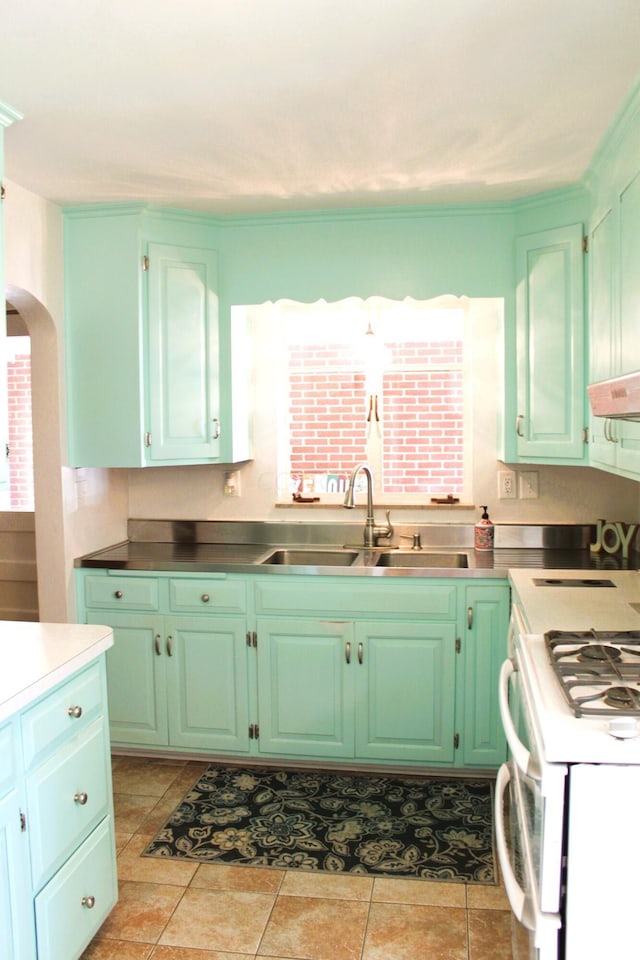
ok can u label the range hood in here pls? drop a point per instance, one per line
(617, 398)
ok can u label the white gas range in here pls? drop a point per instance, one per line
(565, 801)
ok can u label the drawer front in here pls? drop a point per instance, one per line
(75, 903)
(64, 712)
(201, 596)
(384, 598)
(66, 797)
(121, 593)
(7, 759)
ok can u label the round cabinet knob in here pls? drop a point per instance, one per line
(118, 594)
(88, 902)
(75, 712)
(205, 598)
(80, 798)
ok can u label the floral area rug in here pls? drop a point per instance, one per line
(422, 827)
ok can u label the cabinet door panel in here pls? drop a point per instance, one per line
(78, 768)
(304, 688)
(64, 919)
(17, 941)
(135, 678)
(550, 344)
(485, 647)
(207, 684)
(405, 691)
(184, 355)
(630, 277)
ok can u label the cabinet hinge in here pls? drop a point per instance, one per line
(585, 244)
(254, 731)
(147, 439)
(23, 822)
(456, 741)
(145, 264)
(458, 644)
(252, 638)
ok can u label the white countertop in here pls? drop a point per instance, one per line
(578, 607)
(37, 656)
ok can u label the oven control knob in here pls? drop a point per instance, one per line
(623, 728)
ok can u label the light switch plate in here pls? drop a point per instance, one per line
(529, 485)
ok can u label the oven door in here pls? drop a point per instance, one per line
(529, 812)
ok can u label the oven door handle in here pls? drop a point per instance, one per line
(521, 756)
(520, 903)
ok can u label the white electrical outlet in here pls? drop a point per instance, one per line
(529, 485)
(507, 485)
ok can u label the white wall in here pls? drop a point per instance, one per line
(71, 517)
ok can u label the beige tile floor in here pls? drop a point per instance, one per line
(176, 910)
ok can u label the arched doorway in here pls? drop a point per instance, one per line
(47, 462)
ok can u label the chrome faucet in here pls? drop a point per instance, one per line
(372, 533)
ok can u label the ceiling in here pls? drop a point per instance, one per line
(248, 106)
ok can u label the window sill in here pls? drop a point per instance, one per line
(331, 505)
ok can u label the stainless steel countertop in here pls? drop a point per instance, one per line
(242, 547)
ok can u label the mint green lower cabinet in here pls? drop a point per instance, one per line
(207, 686)
(405, 675)
(356, 690)
(58, 879)
(136, 678)
(305, 689)
(177, 681)
(17, 940)
(484, 648)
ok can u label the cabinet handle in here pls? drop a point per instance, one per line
(88, 902)
(216, 429)
(75, 712)
(469, 618)
(205, 598)
(519, 420)
(80, 798)
(347, 651)
(118, 594)
(169, 642)
(156, 643)
(360, 649)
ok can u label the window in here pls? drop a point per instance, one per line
(376, 381)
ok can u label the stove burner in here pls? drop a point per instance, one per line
(599, 652)
(622, 698)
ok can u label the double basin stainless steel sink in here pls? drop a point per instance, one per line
(374, 557)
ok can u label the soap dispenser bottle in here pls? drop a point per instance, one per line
(483, 539)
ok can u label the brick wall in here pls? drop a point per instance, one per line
(421, 409)
(20, 432)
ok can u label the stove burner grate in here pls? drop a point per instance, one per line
(598, 671)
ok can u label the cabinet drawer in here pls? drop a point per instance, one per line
(66, 797)
(218, 596)
(66, 711)
(115, 593)
(7, 759)
(342, 598)
(77, 900)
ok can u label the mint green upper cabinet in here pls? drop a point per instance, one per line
(551, 414)
(142, 340)
(614, 321)
(183, 354)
